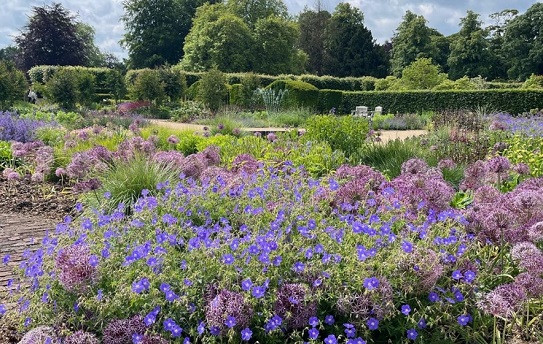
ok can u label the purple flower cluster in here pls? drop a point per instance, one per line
(81, 337)
(227, 304)
(121, 331)
(293, 303)
(41, 334)
(14, 128)
(76, 270)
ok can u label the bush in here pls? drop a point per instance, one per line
(63, 88)
(147, 86)
(13, 84)
(534, 81)
(175, 83)
(514, 101)
(329, 99)
(300, 94)
(345, 133)
(188, 111)
(212, 89)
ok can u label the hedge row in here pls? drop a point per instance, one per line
(514, 101)
(102, 76)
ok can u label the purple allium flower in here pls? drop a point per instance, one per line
(211, 155)
(499, 164)
(245, 163)
(528, 256)
(228, 304)
(12, 176)
(246, 334)
(41, 334)
(81, 337)
(412, 334)
(76, 271)
(414, 166)
(535, 232)
(122, 330)
(86, 186)
(373, 324)
(271, 137)
(293, 303)
(504, 301)
(522, 169)
(173, 139)
(446, 164)
(533, 285)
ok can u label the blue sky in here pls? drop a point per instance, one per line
(381, 16)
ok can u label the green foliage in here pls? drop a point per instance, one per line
(175, 83)
(312, 25)
(345, 133)
(389, 83)
(514, 101)
(524, 56)
(300, 94)
(5, 155)
(188, 142)
(251, 11)
(275, 50)
(470, 55)
(534, 81)
(13, 84)
(349, 47)
(464, 83)
(85, 88)
(188, 111)
(212, 90)
(421, 74)
(125, 180)
(328, 100)
(412, 40)
(527, 150)
(63, 88)
(51, 136)
(387, 157)
(147, 86)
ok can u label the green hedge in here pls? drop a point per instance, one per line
(514, 101)
(41, 74)
(300, 94)
(329, 99)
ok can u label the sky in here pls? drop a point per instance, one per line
(382, 17)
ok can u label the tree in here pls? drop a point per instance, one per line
(218, 39)
(212, 90)
(9, 53)
(275, 40)
(13, 84)
(469, 55)
(156, 30)
(422, 74)
(350, 49)
(253, 10)
(412, 40)
(496, 31)
(312, 26)
(94, 57)
(523, 43)
(51, 38)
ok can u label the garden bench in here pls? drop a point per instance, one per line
(362, 111)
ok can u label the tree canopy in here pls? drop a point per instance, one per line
(312, 25)
(51, 37)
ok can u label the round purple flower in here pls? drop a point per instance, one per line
(331, 339)
(412, 334)
(406, 309)
(313, 333)
(464, 319)
(246, 334)
(372, 323)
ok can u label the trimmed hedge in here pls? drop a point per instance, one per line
(329, 99)
(513, 101)
(299, 93)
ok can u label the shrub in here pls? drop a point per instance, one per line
(345, 133)
(300, 94)
(13, 84)
(534, 81)
(63, 88)
(329, 99)
(175, 83)
(187, 111)
(147, 86)
(212, 89)
(12, 127)
(421, 74)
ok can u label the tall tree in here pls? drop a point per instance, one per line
(496, 31)
(523, 43)
(156, 30)
(51, 38)
(253, 10)
(470, 55)
(412, 40)
(312, 24)
(276, 46)
(350, 49)
(218, 39)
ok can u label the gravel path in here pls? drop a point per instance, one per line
(386, 135)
